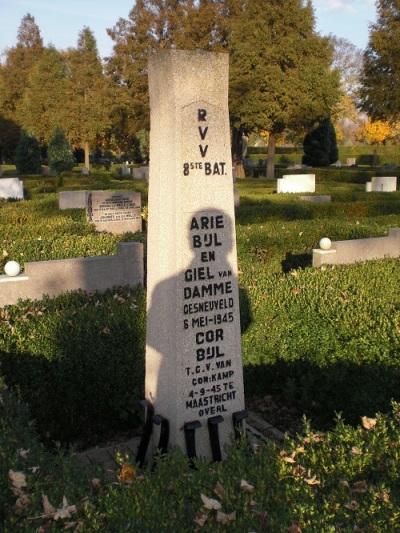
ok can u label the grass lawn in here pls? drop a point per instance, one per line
(325, 341)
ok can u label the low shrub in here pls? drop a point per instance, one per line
(343, 480)
(77, 360)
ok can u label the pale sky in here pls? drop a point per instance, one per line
(60, 20)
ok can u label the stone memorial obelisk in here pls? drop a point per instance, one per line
(194, 376)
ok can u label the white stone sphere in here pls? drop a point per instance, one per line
(325, 243)
(12, 268)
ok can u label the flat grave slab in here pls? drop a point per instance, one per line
(320, 199)
(114, 211)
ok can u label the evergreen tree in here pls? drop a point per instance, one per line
(380, 79)
(88, 99)
(27, 155)
(153, 25)
(280, 73)
(59, 152)
(320, 147)
(44, 104)
(18, 63)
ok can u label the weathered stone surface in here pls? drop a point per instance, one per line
(115, 212)
(382, 184)
(368, 186)
(356, 250)
(11, 188)
(72, 199)
(320, 199)
(351, 161)
(140, 173)
(87, 273)
(295, 183)
(193, 355)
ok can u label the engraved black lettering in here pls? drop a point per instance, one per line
(203, 150)
(203, 132)
(202, 115)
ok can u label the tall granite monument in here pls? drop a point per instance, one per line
(194, 376)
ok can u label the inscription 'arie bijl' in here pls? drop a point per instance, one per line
(210, 168)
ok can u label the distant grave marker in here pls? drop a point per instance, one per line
(381, 184)
(193, 357)
(11, 188)
(295, 183)
(114, 212)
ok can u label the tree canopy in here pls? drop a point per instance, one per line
(380, 91)
(281, 74)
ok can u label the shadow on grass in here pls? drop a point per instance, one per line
(82, 374)
(253, 212)
(320, 392)
(294, 261)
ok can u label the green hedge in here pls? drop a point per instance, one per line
(77, 360)
(344, 480)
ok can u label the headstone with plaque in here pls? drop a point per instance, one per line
(114, 211)
(194, 375)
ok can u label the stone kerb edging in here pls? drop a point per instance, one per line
(356, 250)
(87, 273)
(296, 183)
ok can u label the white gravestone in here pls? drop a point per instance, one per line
(382, 184)
(11, 188)
(295, 183)
(193, 355)
(115, 212)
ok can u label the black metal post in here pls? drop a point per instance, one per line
(214, 436)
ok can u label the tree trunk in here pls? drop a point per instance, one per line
(271, 157)
(87, 153)
(237, 162)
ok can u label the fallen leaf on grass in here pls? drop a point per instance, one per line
(18, 479)
(23, 501)
(219, 490)
(127, 474)
(210, 503)
(200, 519)
(223, 518)
(48, 509)
(312, 481)
(246, 487)
(355, 451)
(312, 437)
(359, 487)
(368, 423)
(288, 458)
(384, 496)
(65, 511)
(299, 471)
(353, 505)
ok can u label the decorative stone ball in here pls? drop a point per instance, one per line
(12, 268)
(325, 243)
